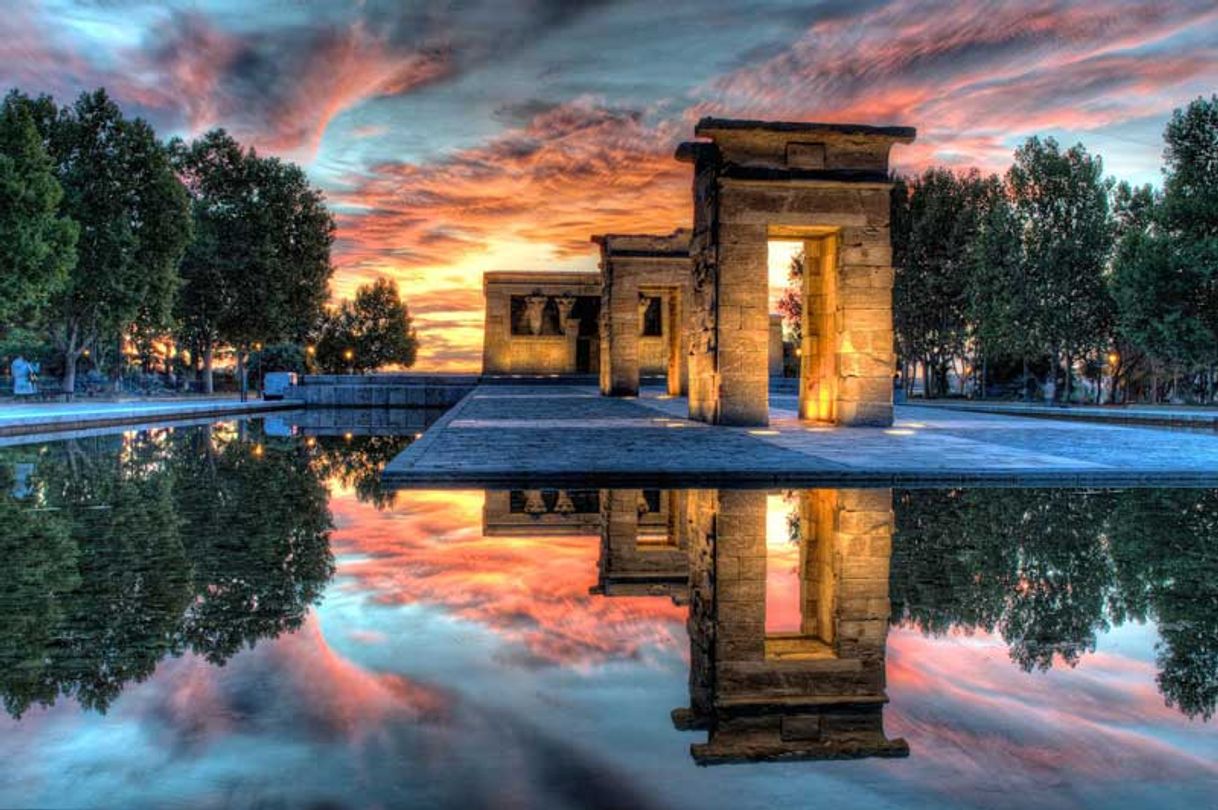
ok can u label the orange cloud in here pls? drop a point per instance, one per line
(528, 199)
(531, 591)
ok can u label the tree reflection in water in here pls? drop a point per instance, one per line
(123, 549)
(357, 461)
(1049, 569)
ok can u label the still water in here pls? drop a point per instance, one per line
(237, 614)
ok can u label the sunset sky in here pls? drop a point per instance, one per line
(453, 138)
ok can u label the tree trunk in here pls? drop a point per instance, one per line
(1069, 379)
(926, 379)
(70, 352)
(1023, 381)
(118, 365)
(241, 377)
(209, 378)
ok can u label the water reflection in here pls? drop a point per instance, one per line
(790, 601)
(534, 636)
(118, 551)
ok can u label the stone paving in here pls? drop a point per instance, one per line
(570, 434)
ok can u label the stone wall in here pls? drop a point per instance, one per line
(382, 390)
(642, 547)
(506, 353)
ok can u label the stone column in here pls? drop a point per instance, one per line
(743, 328)
(865, 361)
(497, 339)
(624, 325)
(565, 304)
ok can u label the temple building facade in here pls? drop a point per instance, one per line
(693, 306)
(541, 323)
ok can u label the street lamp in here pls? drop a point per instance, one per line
(349, 355)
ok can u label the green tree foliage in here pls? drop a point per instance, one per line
(357, 462)
(1165, 276)
(38, 243)
(259, 271)
(370, 332)
(132, 215)
(1000, 303)
(1061, 199)
(279, 357)
(934, 231)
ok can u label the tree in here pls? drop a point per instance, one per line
(371, 332)
(1165, 272)
(790, 306)
(935, 233)
(260, 271)
(37, 244)
(212, 170)
(133, 219)
(1061, 198)
(1000, 305)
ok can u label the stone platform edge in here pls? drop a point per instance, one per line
(1179, 419)
(403, 478)
(401, 465)
(142, 413)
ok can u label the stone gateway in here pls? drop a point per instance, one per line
(694, 305)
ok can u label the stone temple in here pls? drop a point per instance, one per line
(692, 305)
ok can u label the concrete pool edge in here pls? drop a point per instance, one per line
(73, 417)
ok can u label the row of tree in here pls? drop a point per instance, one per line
(111, 238)
(1055, 271)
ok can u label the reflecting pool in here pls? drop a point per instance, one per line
(238, 614)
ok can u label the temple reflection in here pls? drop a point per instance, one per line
(788, 607)
(801, 683)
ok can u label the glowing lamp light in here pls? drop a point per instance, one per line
(348, 354)
(310, 350)
(1113, 358)
(257, 451)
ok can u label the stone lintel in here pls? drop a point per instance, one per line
(635, 245)
(708, 127)
(791, 150)
(495, 278)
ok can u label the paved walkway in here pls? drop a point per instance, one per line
(570, 435)
(22, 419)
(1164, 415)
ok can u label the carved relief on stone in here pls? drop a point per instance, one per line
(564, 505)
(534, 504)
(535, 307)
(565, 303)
